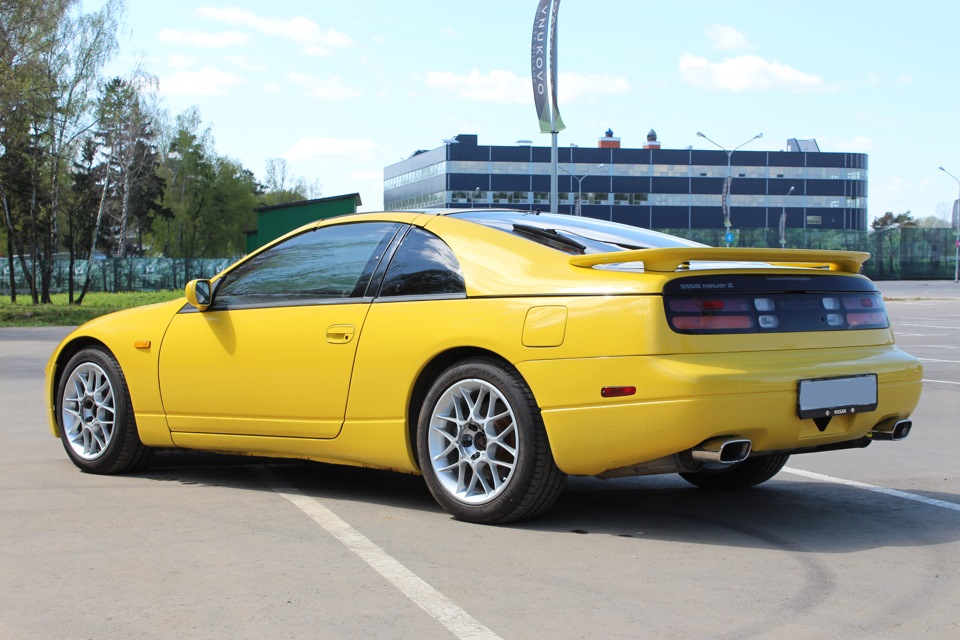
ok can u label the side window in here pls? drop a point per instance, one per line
(328, 263)
(423, 265)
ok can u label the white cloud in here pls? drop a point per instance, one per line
(247, 63)
(329, 88)
(857, 144)
(506, 87)
(727, 38)
(181, 62)
(745, 73)
(203, 39)
(314, 40)
(501, 87)
(574, 86)
(879, 120)
(367, 176)
(318, 148)
(205, 82)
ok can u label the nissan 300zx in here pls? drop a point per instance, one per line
(495, 353)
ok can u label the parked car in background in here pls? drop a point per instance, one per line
(495, 352)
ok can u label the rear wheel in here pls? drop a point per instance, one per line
(95, 415)
(482, 445)
(750, 472)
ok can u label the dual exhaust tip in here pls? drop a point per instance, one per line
(733, 450)
(894, 431)
(722, 451)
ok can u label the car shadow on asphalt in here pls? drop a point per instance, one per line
(797, 515)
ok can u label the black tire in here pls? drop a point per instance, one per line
(482, 446)
(749, 473)
(95, 415)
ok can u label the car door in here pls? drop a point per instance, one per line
(273, 354)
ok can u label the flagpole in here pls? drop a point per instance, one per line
(554, 176)
(543, 72)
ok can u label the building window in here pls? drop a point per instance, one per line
(468, 166)
(415, 176)
(510, 168)
(675, 170)
(427, 201)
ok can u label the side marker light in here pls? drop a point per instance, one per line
(617, 392)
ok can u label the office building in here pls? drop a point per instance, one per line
(650, 186)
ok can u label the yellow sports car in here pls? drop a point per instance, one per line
(495, 352)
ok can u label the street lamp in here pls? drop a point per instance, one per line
(579, 180)
(783, 221)
(725, 200)
(956, 268)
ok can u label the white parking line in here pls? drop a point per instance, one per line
(872, 487)
(934, 346)
(935, 360)
(441, 608)
(941, 381)
(925, 326)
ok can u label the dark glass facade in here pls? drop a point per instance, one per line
(652, 188)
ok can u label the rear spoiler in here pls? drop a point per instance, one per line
(670, 259)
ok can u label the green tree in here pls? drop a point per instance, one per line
(51, 55)
(933, 222)
(27, 31)
(280, 186)
(210, 197)
(128, 135)
(85, 194)
(887, 232)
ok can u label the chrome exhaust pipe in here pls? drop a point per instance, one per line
(893, 431)
(722, 450)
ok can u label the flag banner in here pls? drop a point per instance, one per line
(543, 66)
(725, 200)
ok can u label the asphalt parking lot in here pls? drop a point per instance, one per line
(852, 544)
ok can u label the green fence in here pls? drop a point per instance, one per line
(121, 274)
(895, 254)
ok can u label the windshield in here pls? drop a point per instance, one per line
(573, 234)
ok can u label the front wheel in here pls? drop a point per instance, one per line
(742, 475)
(482, 446)
(95, 415)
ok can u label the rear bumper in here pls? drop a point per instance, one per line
(682, 401)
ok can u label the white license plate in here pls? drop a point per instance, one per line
(837, 396)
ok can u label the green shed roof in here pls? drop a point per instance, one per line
(275, 220)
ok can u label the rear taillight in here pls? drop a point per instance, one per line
(775, 312)
(711, 314)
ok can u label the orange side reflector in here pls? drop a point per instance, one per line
(142, 344)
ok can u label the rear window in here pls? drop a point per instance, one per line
(573, 234)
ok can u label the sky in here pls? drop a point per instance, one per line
(342, 89)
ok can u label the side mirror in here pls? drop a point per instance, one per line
(199, 294)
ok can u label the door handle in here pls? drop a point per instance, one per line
(340, 333)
